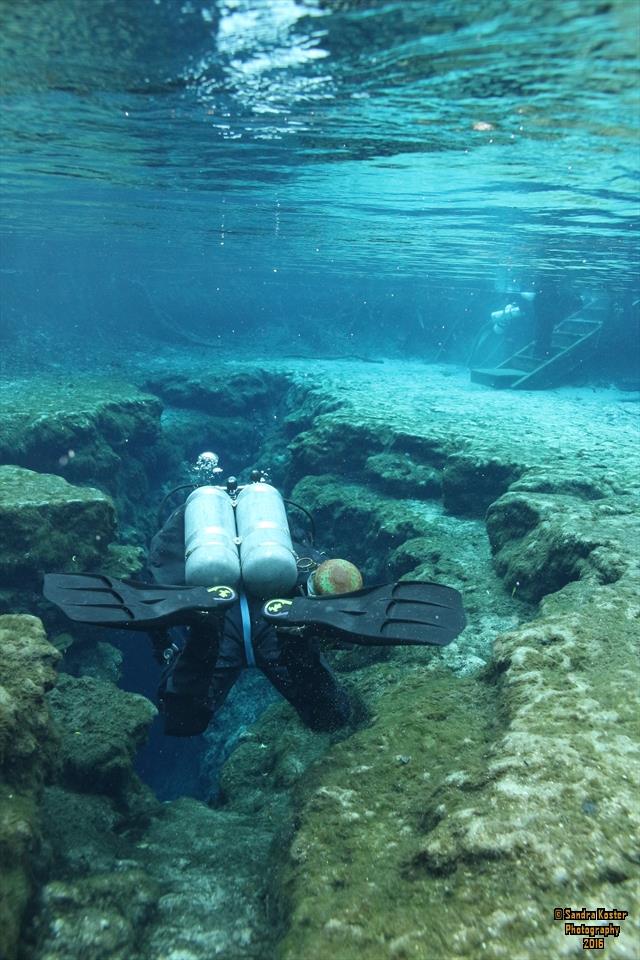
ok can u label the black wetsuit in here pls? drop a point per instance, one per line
(196, 682)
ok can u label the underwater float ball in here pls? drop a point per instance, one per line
(335, 576)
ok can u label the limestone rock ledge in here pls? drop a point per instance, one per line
(542, 541)
(80, 429)
(26, 751)
(88, 430)
(48, 524)
(513, 793)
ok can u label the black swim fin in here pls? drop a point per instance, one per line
(130, 604)
(403, 613)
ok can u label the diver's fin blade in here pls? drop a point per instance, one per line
(131, 605)
(403, 613)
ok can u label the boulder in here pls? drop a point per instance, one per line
(100, 729)
(48, 524)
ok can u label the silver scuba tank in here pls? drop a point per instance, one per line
(210, 549)
(267, 559)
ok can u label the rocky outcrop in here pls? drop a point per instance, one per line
(475, 807)
(27, 751)
(367, 525)
(100, 729)
(89, 431)
(466, 803)
(542, 541)
(48, 524)
(225, 392)
(79, 429)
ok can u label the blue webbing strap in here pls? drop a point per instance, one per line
(246, 631)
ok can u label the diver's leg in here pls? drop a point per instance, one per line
(187, 708)
(305, 679)
(192, 687)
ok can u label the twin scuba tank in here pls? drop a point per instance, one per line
(239, 537)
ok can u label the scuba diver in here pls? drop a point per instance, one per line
(506, 331)
(531, 316)
(215, 562)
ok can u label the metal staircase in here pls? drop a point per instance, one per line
(573, 339)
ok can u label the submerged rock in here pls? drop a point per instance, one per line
(100, 729)
(541, 541)
(88, 430)
(91, 658)
(471, 482)
(368, 525)
(463, 810)
(454, 823)
(103, 916)
(48, 524)
(78, 428)
(226, 392)
(188, 432)
(399, 475)
(27, 748)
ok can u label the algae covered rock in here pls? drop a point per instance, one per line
(79, 428)
(48, 524)
(467, 811)
(335, 444)
(471, 482)
(100, 728)
(26, 755)
(189, 432)
(365, 525)
(104, 915)
(91, 658)
(418, 552)
(399, 475)
(85, 832)
(343, 884)
(541, 541)
(212, 868)
(269, 759)
(226, 393)
(88, 430)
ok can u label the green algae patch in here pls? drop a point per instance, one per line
(543, 541)
(348, 886)
(48, 524)
(455, 824)
(100, 728)
(26, 755)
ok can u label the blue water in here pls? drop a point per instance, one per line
(364, 179)
(275, 173)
